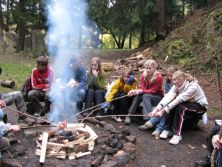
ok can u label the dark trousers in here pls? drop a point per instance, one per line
(121, 106)
(183, 111)
(219, 158)
(4, 143)
(148, 102)
(35, 97)
(94, 97)
(215, 130)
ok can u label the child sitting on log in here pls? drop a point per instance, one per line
(120, 88)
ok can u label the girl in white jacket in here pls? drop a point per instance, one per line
(185, 99)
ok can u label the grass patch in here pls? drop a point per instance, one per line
(17, 72)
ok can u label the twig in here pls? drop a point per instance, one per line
(37, 126)
(107, 116)
(11, 156)
(89, 115)
(94, 107)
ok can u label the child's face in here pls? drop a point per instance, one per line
(42, 67)
(178, 82)
(125, 78)
(94, 65)
(149, 69)
(170, 76)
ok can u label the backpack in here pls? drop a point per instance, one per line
(27, 86)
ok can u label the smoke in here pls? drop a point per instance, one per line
(65, 19)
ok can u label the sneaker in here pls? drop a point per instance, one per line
(156, 133)
(118, 119)
(113, 117)
(146, 126)
(175, 139)
(127, 121)
(165, 134)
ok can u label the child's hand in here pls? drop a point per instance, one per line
(95, 73)
(216, 141)
(14, 128)
(2, 104)
(130, 80)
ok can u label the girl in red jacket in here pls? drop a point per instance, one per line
(150, 92)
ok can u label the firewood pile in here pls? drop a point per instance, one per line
(75, 141)
(135, 61)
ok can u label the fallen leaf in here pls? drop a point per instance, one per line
(192, 147)
(204, 146)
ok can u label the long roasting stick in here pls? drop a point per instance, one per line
(95, 107)
(32, 116)
(107, 116)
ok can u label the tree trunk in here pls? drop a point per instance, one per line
(1, 19)
(160, 23)
(21, 27)
(7, 16)
(130, 40)
(183, 8)
(142, 27)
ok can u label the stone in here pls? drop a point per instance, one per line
(110, 128)
(107, 150)
(129, 148)
(30, 133)
(122, 159)
(110, 164)
(131, 139)
(125, 131)
(10, 163)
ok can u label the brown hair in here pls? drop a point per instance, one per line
(98, 61)
(172, 69)
(42, 60)
(127, 72)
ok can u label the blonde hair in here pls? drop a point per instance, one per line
(153, 64)
(185, 76)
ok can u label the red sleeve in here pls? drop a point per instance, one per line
(36, 83)
(154, 87)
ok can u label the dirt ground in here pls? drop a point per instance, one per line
(150, 152)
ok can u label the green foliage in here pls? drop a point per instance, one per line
(17, 72)
(177, 50)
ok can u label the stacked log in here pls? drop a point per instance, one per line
(80, 143)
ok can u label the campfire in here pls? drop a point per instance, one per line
(73, 141)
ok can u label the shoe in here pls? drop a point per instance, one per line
(205, 162)
(146, 126)
(156, 133)
(165, 134)
(127, 121)
(175, 139)
(113, 117)
(21, 118)
(118, 119)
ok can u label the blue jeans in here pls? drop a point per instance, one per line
(15, 97)
(148, 102)
(219, 159)
(159, 122)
